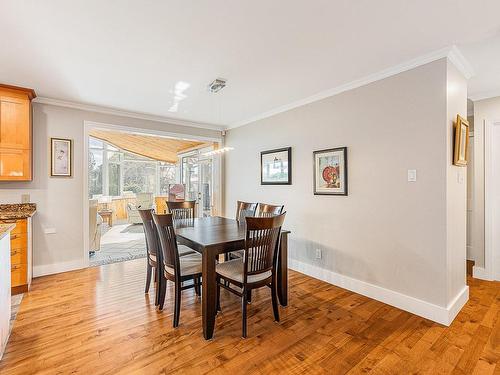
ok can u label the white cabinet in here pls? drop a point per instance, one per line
(4, 290)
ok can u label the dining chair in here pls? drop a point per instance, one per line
(153, 253)
(267, 210)
(244, 209)
(257, 268)
(184, 210)
(177, 269)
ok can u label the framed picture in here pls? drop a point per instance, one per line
(276, 167)
(330, 171)
(60, 157)
(461, 149)
(176, 192)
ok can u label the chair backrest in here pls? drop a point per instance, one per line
(168, 241)
(268, 210)
(152, 242)
(261, 243)
(182, 210)
(144, 200)
(244, 209)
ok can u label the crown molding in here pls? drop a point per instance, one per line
(452, 53)
(485, 95)
(122, 113)
(458, 59)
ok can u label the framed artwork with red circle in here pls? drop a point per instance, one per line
(330, 171)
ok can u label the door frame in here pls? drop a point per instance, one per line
(490, 271)
(91, 125)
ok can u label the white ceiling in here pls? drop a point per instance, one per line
(157, 57)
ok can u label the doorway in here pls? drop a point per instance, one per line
(491, 269)
(123, 175)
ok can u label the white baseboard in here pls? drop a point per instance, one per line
(480, 273)
(49, 269)
(436, 313)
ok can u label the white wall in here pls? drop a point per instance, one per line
(388, 238)
(59, 200)
(456, 194)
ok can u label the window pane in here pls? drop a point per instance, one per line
(95, 172)
(130, 156)
(167, 176)
(139, 177)
(95, 143)
(114, 172)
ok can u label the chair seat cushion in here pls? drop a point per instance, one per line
(190, 264)
(233, 270)
(184, 250)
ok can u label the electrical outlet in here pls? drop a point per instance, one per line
(318, 253)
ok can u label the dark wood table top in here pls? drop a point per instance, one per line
(214, 230)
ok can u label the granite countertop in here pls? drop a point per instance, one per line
(5, 229)
(17, 211)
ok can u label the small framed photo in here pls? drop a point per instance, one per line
(61, 157)
(461, 148)
(330, 171)
(276, 167)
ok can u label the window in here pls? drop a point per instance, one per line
(139, 176)
(113, 171)
(95, 172)
(166, 176)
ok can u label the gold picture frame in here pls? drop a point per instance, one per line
(461, 149)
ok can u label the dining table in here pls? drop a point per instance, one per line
(215, 235)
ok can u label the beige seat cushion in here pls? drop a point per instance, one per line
(190, 264)
(237, 253)
(184, 250)
(233, 270)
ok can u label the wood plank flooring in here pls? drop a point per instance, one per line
(99, 321)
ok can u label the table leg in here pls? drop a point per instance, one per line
(209, 292)
(283, 270)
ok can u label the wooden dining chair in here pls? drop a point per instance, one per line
(257, 268)
(153, 252)
(182, 211)
(244, 209)
(177, 269)
(152, 248)
(267, 210)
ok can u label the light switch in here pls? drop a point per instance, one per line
(460, 177)
(412, 175)
(50, 230)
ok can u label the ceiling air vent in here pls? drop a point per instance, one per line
(217, 85)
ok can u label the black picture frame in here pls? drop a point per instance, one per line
(345, 192)
(289, 169)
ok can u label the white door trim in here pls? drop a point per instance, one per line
(90, 125)
(489, 271)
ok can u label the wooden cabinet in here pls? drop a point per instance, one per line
(15, 133)
(20, 259)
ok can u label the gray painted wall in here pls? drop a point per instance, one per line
(387, 232)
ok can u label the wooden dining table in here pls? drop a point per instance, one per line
(211, 236)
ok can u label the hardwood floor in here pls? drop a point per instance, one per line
(98, 321)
